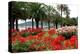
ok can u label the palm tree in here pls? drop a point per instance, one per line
(42, 18)
(42, 15)
(20, 11)
(56, 18)
(49, 12)
(16, 11)
(62, 8)
(67, 12)
(36, 12)
(11, 14)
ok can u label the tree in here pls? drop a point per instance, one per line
(67, 11)
(49, 12)
(16, 11)
(67, 14)
(36, 12)
(20, 10)
(56, 18)
(42, 18)
(62, 8)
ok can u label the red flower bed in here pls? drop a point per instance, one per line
(42, 42)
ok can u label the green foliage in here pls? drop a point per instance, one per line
(70, 21)
(68, 35)
(29, 33)
(25, 34)
(34, 33)
(63, 8)
(21, 47)
(42, 12)
(18, 47)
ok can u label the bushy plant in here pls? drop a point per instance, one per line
(25, 34)
(68, 35)
(21, 47)
(34, 33)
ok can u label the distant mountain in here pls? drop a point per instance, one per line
(29, 23)
(26, 23)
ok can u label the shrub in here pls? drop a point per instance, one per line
(25, 34)
(34, 33)
(21, 47)
(68, 35)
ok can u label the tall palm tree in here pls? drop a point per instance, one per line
(20, 11)
(67, 13)
(55, 19)
(43, 15)
(17, 11)
(42, 18)
(11, 15)
(62, 8)
(49, 12)
(36, 10)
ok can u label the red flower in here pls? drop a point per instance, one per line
(52, 31)
(48, 39)
(73, 38)
(66, 43)
(32, 46)
(61, 38)
(29, 37)
(13, 40)
(73, 41)
(55, 42)
(12, 30)
(41, 48)
(57, 47)
(37, 43)
(22, 40)
(41, 34)
(76, 44)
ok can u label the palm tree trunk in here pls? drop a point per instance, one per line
(49, 25)
(25, 24)
(37, 23)
(56, 25)
(53, 24)
(17, 25)
(32, 23)
(41, 24)
(61, 17)
(11, 23)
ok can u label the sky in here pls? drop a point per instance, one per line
(73, 10)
